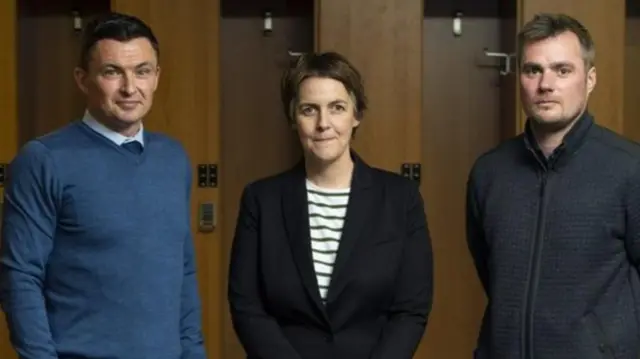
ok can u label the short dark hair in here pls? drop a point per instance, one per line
(324, 64)
(544, 26)
(114, 26)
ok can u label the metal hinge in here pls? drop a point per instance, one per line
(411, 171)
(208, 175)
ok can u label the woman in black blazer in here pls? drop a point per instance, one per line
(332, 258)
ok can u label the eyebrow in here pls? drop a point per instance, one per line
(334, 102)
(554, 65)
(140, 65)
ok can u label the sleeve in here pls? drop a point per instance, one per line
(632, 237)
(475, 234)
(414, 292)
(259, 333)
(191, 319)
(31, 200)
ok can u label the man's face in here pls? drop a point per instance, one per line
(119, 82)
(554, 83)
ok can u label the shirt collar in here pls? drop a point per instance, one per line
(110, 134)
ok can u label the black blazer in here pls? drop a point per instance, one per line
(381, 289)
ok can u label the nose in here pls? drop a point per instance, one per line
(546, 82)
(323, 120)
(128, 87)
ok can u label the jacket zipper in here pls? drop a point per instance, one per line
(534, 269)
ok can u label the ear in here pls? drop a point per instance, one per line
(591, 79)
(155, 86)
(80, 75)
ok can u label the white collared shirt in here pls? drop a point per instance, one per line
(110, 134)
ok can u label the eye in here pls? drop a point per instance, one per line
(307, 110)
(143, 71)
(564, 71)
(110, 72)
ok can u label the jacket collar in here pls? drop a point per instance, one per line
(361, 177)
(571, 143)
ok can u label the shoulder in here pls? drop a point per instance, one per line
(33, 167)
(619, 152)
(165, 142)
(169, 149)
(495, 160)
(41, 157)
(43, 150)
(34, 154)
(61, 141)
(394, 183)
(272, 185)
(399, 194)
(615, 146)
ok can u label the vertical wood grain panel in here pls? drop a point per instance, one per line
(632, 78)
(461, 120)
(48, 51)
(8, 117)
(8, 81)
(187, 107)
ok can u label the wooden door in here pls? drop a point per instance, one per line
(187, 106)
(461, 109)
(48, 47)
(256, 139)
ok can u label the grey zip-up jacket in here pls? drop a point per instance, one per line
(556, 243)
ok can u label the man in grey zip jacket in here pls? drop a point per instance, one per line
(553, 215)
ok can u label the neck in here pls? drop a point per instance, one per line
(336, 174)
(121, 127)
(549, 139)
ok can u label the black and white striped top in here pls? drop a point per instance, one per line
(327, 210)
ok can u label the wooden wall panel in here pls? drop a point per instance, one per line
(49, 49)
(632, 78)
(8, 118)
(187, 107)
(461, 120)
(8, 81)
(605, 22)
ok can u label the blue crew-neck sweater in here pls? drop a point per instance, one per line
(96, 259)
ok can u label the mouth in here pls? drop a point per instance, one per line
(127, 104)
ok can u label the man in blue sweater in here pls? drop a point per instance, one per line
(97, 259)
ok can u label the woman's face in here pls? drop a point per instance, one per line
(325, 119)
